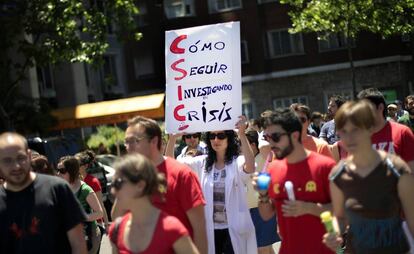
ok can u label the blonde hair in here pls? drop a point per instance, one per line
(359, 113)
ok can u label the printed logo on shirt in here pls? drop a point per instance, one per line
(276, 188)
(19, 232)
(310, 186)
(382, 146)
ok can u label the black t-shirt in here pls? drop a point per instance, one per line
(36, 219)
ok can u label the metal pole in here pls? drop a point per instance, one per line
(118, 149)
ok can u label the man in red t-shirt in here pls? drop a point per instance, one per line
(389, 136)
(183, 198)
(299, 224)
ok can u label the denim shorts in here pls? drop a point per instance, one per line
(265, 230)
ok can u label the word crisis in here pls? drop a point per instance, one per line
(221, 115)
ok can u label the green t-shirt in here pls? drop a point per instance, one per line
(406, 120)
(82, 194)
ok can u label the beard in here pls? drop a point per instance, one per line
(411, 112)
(285, 152)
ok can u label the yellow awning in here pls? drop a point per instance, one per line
(109, 112)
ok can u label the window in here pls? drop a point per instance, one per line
(109, 76)
(282, 43)
(244, 52)
(334, 42)
(286, 102)
(45, 81)
(266, 1)
(144, 65)
(405, 38)
(247, 110)
(141, 17)
(178, 8)
(224, 5)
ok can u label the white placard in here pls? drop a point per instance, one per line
(203, 76)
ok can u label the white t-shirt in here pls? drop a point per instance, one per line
(219, 194)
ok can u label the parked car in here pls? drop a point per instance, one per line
(102, 169)
(54, 147)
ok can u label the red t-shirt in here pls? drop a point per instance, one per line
(167, 231)
(93, 182)
(395, 138)
(302, 234)
(183, 191)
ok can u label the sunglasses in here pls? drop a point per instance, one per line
(220, 136)
(274, 136)
(117, 183)
(62, 170)
(192, 135)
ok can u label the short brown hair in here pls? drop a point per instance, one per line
(298, 107)
(136, 167)
(409, 97)
(360, 113)
(151, 128)
(40, 164)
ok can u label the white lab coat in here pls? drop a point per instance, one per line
(240, 224)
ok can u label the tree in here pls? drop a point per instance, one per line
(40, 32)
(109, 136)
(350, 17)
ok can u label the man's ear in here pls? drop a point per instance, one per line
(295, 135)
(154, 141)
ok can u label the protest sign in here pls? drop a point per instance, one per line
(203, 78)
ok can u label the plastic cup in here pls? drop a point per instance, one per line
(263, 180)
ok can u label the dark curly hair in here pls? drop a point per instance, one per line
(232, 151)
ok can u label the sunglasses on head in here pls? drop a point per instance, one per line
(195, 135)
(117, 183)
(274, 136)
(220, 136)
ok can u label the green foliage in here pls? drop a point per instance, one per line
(107, 135)
(385, 17)
(41, 32)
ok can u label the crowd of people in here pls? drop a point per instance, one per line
(357, 163)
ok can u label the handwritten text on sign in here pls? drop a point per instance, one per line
(203, 78)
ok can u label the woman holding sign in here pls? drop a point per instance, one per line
(223, 176)
(370, 189)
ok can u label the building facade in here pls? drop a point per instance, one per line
(278, 68)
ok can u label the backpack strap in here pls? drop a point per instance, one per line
(341, 168)
(391, 167)
(114, 235)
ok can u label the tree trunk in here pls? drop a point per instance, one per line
(351, 62)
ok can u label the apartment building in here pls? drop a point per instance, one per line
(278, 68)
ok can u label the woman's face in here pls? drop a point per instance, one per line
(62, 172)
(218, 141)
(125, 190)
(354, 138)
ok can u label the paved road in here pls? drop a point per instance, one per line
(106, 246)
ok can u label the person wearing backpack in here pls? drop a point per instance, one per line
(370, 189)
(68, 169)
